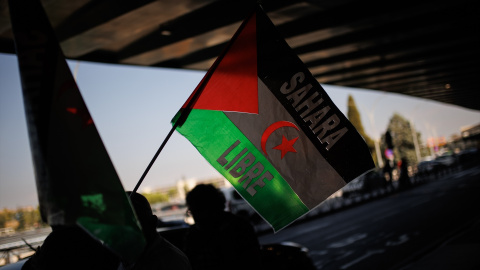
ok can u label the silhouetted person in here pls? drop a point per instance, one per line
(387, 170)
(158, 253)
(218, 239)
(404, 180)
(71, 248)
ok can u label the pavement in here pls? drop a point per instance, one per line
(461, 251)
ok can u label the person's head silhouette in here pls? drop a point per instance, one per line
(218, 236)
(145, 216)
(205, 203)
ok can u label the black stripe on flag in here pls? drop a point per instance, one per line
(277, 65)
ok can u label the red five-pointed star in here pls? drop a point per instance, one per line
(286, 146)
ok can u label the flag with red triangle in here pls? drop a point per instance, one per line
(77, 184)
(263, 121)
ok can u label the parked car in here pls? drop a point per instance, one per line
(427, 167)
(447, 160)
(367, 182)
(355, 187)
(469, 157)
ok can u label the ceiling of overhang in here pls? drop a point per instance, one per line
(428, 49)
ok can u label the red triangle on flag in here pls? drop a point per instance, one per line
(236, 73)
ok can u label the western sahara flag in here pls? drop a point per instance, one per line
(76, 181)
(264, 122)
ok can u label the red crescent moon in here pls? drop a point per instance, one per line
(266, 134)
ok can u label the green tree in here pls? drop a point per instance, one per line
(26, 217)
(403, 144)
(20, 217)
(5, 216)
(172, 192)
(32, 218)
(354, 116)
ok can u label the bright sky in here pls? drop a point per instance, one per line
(132, 108)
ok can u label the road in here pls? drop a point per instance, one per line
(393, 231)
(384, 233)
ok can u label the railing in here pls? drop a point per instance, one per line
(14, 251)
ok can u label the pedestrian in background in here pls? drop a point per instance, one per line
(218, 239)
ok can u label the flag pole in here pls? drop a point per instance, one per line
(188, 108)
(154, 158)
(183, 117)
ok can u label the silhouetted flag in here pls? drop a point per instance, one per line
(265, 123)
(76, 181)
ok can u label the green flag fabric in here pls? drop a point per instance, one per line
(264, 122)
(76, 181)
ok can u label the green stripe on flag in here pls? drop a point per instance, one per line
(212, 133)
